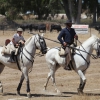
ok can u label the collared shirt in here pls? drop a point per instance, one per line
(17, 38)
(67, 36)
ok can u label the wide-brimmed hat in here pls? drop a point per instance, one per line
(68, 21)
(20, 29)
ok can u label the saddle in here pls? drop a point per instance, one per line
(8, 50)
(62, 52)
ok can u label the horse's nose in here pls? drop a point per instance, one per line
(44, 51)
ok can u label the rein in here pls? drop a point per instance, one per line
(30, 55)
(83, 51)
(94, 56)
(21, 50)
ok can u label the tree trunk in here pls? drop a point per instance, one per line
(79, 12)
(94, 15)
(66, 7)
(71, 11)
(72, 8)
(95, 11)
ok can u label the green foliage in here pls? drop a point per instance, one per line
(12, 8)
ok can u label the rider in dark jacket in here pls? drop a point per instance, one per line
(66, 37)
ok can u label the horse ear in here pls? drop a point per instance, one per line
(93, 35)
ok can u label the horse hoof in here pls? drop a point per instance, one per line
(58, 92)
(1, 89)
(44, 89)
(18, 93)
(29, 95)
(80, 91)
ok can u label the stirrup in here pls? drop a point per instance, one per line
(12, 61)
(67, 68)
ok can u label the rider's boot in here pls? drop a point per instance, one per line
(69, 66)
(11, 59)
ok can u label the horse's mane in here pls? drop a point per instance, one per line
(94, 36)
(28, 40)
(91, 38)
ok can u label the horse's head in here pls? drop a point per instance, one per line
(40, 43)
(96, 46)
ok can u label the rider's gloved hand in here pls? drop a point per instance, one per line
(76, 37)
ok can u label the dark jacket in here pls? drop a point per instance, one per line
(67, 36)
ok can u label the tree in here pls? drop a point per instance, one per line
(73, 9)
(79, 11)
(93, 9)
(46, 7)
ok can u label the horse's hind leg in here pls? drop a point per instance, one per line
(51, 75)
(53, 80)
(1, 69)
(20, 84)
(45, 85)
(82, 82)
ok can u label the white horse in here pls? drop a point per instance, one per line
(25, 59)
(80, 61)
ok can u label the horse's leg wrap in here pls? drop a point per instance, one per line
(19, 86)
(28, 90)
(81, 87)
(28, 86)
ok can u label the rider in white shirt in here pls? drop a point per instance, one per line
(15, 43)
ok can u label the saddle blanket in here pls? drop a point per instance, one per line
(8, 49)
(62, 52)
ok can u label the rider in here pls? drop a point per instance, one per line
(17, 37)
(66, 37)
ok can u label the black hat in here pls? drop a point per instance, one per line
(68, 21)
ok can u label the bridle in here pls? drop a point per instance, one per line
(42, 44)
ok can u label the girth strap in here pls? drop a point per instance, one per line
(85, 60)
(17, 63)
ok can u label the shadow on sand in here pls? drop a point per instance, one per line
(34, 95)
(85, 94)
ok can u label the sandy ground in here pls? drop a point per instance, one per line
(66, 81)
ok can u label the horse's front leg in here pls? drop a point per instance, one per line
(25, 72)
(20, 84)
(82, 82)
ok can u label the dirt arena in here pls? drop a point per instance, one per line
(66, 81)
